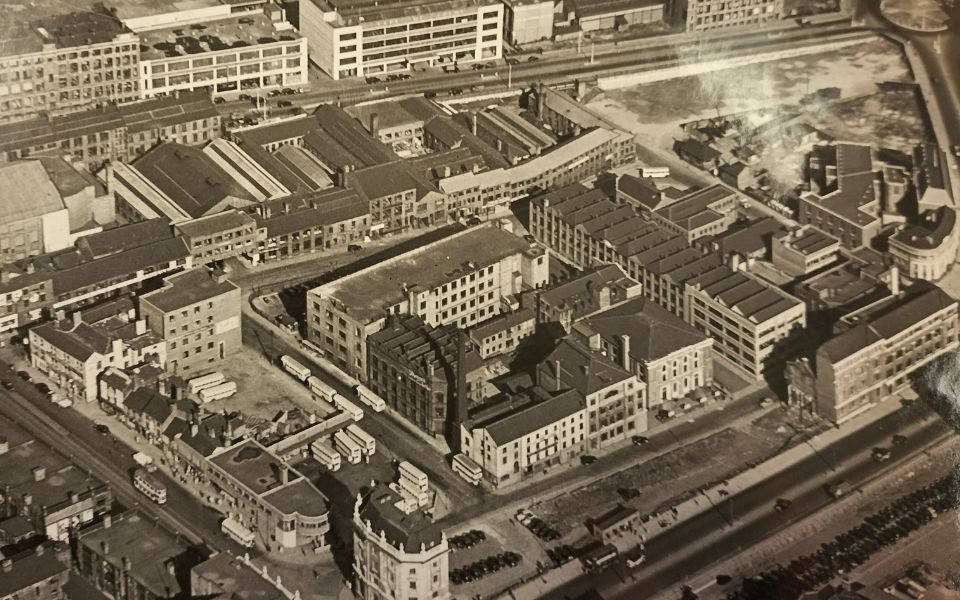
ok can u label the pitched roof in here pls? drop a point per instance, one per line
(580, 368)
(530, 417)
(698, 150)
(654, 331)
(190, 178)
(80, 341)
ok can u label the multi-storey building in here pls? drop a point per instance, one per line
(520, 436)
(114, 133)
(874, 357)
(38, 573)
(225, 575)
(848, 193)
(197, 313)
(397, 554)
(615, 399)
(220, 236)
(704, 212)
(312, 222)
(33, 219)
(266, 496)
(502, 334)
(106, 264)
(24, 298)
(803, 250)
(43, 487)
(599, 15)
(528, 21)
(597, 289)
(370, 37)
(746, 317)
(703, 15)
(398, 198)
(220, 48)
(66, 62)
(665, 353)
(74, 353)
(390, 123)
(595, 146)
(416, 368)
(460, 280)
(132, 557)
(927, 249)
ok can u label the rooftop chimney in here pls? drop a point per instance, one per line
(6, 565)
(105, 547)
(126, 563)
(556, 375)
(375, 125)
(284, 474)
(39, 473)
(107, 521)
(77, 318)
(473, 123)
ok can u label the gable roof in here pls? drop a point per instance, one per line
(654, 331)
(580, 368)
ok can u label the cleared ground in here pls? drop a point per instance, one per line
(655, 111)
(673, 474)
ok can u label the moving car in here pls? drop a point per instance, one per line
(24, 376)
(881, 454)
(588, 459)
(782, 504)
(640, 440)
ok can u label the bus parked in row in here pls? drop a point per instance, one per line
(325, 455)
(366, 395)
(347, 447)
(205, 381)
(149, 486)
(355, 412)
(467, 468)
(366, 441)
(292, 366)
(217, 392)
(320, 388)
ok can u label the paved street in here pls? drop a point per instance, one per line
(71, 433)
(707, 538)
(564, 67)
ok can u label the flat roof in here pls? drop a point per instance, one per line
(147, 545)
(298, 497)
(62, 476)
(221, 34)
(367, 294)
(590, 8)
(353, 12)
(854, 189)
(254, 466)
(411, 532)
(187, 288)
(26, 191)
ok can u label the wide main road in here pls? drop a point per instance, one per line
(694, 545)
(72, 434)
(571, 67)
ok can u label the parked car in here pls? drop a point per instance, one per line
(640, 440)
(44, 389)
(881, 454)
(219, 100)
(354, 248)
(273, 93)
(898, 440)
(588, 459)
(24, 376)
(284, 103)
(101, 429)
(533, 59)
(7, 385)
(782, 504)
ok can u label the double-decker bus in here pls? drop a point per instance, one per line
(466, 467)
(149, 486)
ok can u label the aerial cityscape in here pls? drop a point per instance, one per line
(479, 299)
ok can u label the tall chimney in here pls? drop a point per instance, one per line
(461, 402)
(556, 375)
(473, 123)
(77, 318)
(625, 351)
(540, 101)
(284, 475)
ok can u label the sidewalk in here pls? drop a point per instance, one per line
(705, 500)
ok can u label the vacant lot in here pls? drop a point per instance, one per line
(655, 111)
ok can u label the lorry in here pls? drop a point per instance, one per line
(145, 461)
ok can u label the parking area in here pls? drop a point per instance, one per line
(263, 389)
